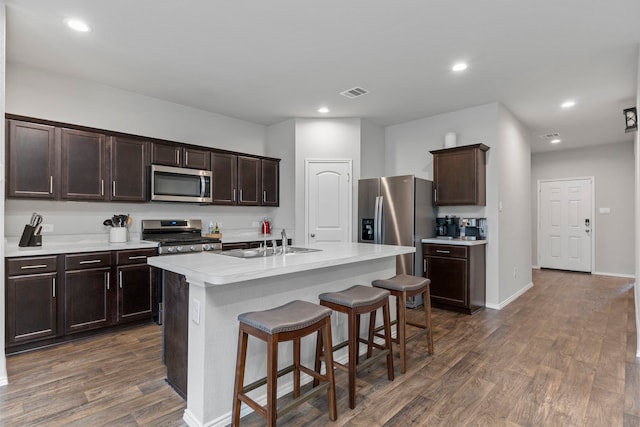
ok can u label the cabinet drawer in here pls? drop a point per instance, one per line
(446, 250)
(135, 256)
(87, 260)
(31, 265)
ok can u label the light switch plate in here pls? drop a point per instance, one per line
(605, 210)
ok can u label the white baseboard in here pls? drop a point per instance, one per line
(601, 273)
(511, 299)
(4, 381)
(535, 267)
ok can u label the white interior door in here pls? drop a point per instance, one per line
(328, 201)
(565, 224)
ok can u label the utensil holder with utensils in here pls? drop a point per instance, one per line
(118, 233)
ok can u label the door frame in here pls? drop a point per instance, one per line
(349, 163)
(593, 216)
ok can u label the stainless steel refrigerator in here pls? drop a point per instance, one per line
(397, 210)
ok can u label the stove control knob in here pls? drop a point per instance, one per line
(179, 248)
(192, 248)
(169, 249)
(205, 247)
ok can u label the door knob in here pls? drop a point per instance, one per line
(313, 235)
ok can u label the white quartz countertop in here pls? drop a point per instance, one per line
(458, 242)
(215, 269)
(52, 245)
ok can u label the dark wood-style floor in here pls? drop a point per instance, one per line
(563, 354)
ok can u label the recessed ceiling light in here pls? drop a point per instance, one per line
(460, 66)
(568, 104)
(77, 25)
(323, 110)
(555, 141)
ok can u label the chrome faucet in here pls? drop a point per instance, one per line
(284, 241)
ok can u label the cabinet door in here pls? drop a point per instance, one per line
(196, 159)
(136, 291)
(31, 307)
(459, 176)
(83, 165)
(448, 280)
(86, 296)
(224, 169)
(129, 169)
(175, 339)
(249, 191)
(31, 166)
(270, 182)
(165, 154)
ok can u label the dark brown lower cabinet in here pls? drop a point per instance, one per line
(176, 330)
(87, 302)
(136, 287)
(457, 275)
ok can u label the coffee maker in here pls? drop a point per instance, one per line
(473, 228)
(447, 227)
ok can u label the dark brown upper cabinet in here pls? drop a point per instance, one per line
(84, 165)
(459, 175)
(249, 193)
(129, 169)
(179, 156)
(31, 166)
(225, 177)
(270, 182)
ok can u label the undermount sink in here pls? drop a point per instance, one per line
(257, 253)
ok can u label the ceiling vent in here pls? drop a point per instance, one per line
(550, 135)
(354, 92)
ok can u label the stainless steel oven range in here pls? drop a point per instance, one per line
(178, 236)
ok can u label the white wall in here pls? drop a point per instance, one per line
(612, 166)
(3, 366)
(372, 164)
(281, 144)
(40, 94)
(325, 139)
(637, 214)
(513, 210)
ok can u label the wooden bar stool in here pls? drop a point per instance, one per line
(403, 286)
(355, 301)
(289, 322)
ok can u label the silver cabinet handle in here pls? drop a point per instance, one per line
(234, 195)
(240, 199)
(120, 278)
(113, 188)
(108, 279)
(186, 157)
(264, 196)
(53, 287)
(443, 252)
(138, 257)
(435, 194)
(424, 265)
(51, 184)
(91, 261)
(30, 267)
(178, 157)
(102, 187)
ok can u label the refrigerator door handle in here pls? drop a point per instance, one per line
(380, 213)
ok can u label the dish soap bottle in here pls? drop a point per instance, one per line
(211, 227)
(216, 229)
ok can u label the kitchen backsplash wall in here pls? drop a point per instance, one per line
(87, 217)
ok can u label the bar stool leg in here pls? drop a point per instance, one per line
(328, 361)
(372, 332)
(272, 380)
(296, 367)
(427, 315)
(319, 355)
(240, 365)
(387, 338)
(353, 335)
(401, 326)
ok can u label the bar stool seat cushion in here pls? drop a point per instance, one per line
(289, 317)
(355, 296)
(402, 282)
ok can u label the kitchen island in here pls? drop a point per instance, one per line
(221, 287)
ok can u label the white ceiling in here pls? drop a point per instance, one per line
(268, 61)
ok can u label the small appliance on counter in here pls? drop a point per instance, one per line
(447, 227)
(473, 228)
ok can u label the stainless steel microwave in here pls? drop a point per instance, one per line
(170, 184)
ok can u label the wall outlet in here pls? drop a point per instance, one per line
(47, 228)
(195, 312)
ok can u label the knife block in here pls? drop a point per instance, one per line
(29, 238)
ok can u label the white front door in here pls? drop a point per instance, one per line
(565, 224)
(328, 201)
